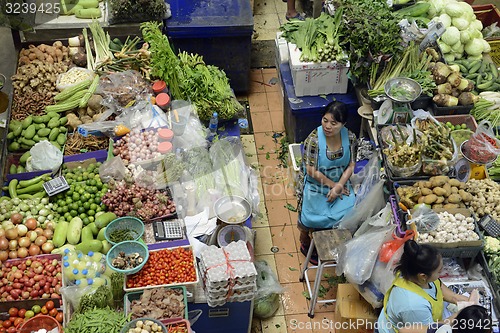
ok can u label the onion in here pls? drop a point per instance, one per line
(24, 242)
(50, 225)
(31, 235)
(34, 250)
(12, 254)
(48, 233)
(4, 243)
(22, 252)
(39, 231)
(2, 232)
(11, 233)
(22, 230)
(31, 223)
(13, 244)
(40, 240)
(47, 247)
(16, 218)
(4, 255)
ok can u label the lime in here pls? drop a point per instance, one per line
(464, 126)
(67, 216)
(457, 127)
(91, 219)
(85, 220)
(93, 206)
(73, 213)
(449, 124)
(35, 309)
(74, 206)
(30, 313)
(91, 212)
(83, 216)
(64, 209)
(86, 205)
(69, 200)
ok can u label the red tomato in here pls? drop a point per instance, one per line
(53, 312)
(13, 312)
(12, 329)
(7, 323)
(59, 317)
(18, 321)
(50, 305)
(21, 313)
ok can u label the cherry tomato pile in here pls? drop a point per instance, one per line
(30, 278)
(177, 328)
(18, 316)
(166, 266)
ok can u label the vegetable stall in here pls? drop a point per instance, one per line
(101, 173)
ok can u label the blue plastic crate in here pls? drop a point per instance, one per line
(303, 114)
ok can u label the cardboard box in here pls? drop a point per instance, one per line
(352, 313)
(313, 79)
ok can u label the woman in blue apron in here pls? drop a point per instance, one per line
(416, 295)
(325, 194)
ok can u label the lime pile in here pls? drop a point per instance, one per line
(456, 127)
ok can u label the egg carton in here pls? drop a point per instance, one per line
(218, 292)
(225, 283)
(233, 298)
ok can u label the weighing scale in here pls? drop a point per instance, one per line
(397, 109)
(467, 167)
(232, 212)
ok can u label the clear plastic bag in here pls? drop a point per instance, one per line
(425, 219)
(483, 146)
(267, 299)
(122, 88)
(112, 169)
(45, 156)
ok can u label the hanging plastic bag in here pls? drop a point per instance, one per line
(267, 299)
(389, 248)
(112, 169)
(357, 256)
(482, 147)
(425, 219)
(45, 156)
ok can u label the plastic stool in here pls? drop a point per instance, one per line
(328, 241)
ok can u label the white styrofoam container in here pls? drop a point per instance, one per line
(281, 50)
(316, 78)
(294, 151)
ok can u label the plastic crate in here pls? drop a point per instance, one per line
(482, 260)
(450, 110)
(487, 14)
(466, 119)
(14, 159)
(495, 51)
(129, 297)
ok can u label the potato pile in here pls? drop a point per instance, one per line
(438, 191)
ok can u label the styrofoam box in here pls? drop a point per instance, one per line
(281, 49)
(321, 78)
(294, 152)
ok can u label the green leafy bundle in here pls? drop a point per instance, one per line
(370, 34)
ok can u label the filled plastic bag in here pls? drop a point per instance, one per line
(112, 169)
(267, 299)
(122, 88)
(358, 256)
(389, 248)
(482, 147)
(425, 219)
(45, 156)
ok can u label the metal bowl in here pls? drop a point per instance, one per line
(3, 80)
(465, 150)
(408, 89)
(232, 209)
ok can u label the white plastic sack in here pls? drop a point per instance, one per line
(45, 156)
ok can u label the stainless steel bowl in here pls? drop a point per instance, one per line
(3, 80)
(402, 89)
(232, 209)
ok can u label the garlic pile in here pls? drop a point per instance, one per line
(452, 228)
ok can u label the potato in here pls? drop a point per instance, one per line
(451, 205)
(466, 197)
(430, 199)
(421, 199)
(437, 206)
(454, 189)
(439, 191)
(440, 199)
(447, 188)
(455, 182)
(438, 180)
(426, 191)
(454, 198)
(462, 205)
(428, 184)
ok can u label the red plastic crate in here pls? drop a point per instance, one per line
(487, 14)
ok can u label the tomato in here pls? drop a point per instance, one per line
(18, 321)
(7, 323)
(21, 313)
(53, 312)
(36, 308)
(12, 329)
(13, 312)
(29, 314)
(59, 317)
(44, 310)
(50, 305)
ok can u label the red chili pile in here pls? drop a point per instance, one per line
(30, 279)
(481, 148)
(177, 328)
(167, 266)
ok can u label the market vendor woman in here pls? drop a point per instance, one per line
(416, 295)
(325, 194)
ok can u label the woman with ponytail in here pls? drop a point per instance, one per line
(416, 295)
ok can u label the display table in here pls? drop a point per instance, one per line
(303, 114)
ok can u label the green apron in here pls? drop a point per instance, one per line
(316, 211)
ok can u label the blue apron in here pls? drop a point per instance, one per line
(317, 212)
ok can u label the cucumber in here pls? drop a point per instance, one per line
(13, 169)
(30, 132)
(53, 134)
(103, 220)
(100, 235)
(94, 229)
(93, 245)
(106, 246)
(12, 188)
(27, 122)
(54, 122)
(61, 139)
(60, 233)
(74, 230)
(24, 157)
(43, 132)
(87, 234)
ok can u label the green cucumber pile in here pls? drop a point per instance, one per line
(28, 189)
(76, 96)
(25, 134)
(483, 73)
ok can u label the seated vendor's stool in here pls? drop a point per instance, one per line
(326, 243)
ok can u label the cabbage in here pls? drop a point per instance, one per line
(266, 306)
(445, 19)
(474, 47)
(460, 23)
(451, 36)
(445, 48)
(465, 36)
(486, 46)
(467, 10)
(453, 9)
(458, 47)
(436, 7)
(478, 25)
(458, 55)
(449, 57)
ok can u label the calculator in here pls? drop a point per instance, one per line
(56, 185)
(489, 225)
(168, 230)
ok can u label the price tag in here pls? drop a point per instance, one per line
(55, 186)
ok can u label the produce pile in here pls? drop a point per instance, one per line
(492, 251)
(484, 197)
(452, 88)
(488, 108)
(438, 148)
(17, 316)
(451, 228)
(159, 303)
(438, 191)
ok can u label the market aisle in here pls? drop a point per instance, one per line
(277, 239)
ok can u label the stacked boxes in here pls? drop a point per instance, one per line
(228, 274)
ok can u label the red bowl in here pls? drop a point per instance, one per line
(39, 322)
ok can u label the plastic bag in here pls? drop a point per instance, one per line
(45, 156)
(357, 256)
(122, 88)
(483, 146)
(491, 31)
(112, 169)
(267, 299)
(67, 79)
(421, 115)
(195, 133)
(425, 219)
(389, 248)
(379, 220)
